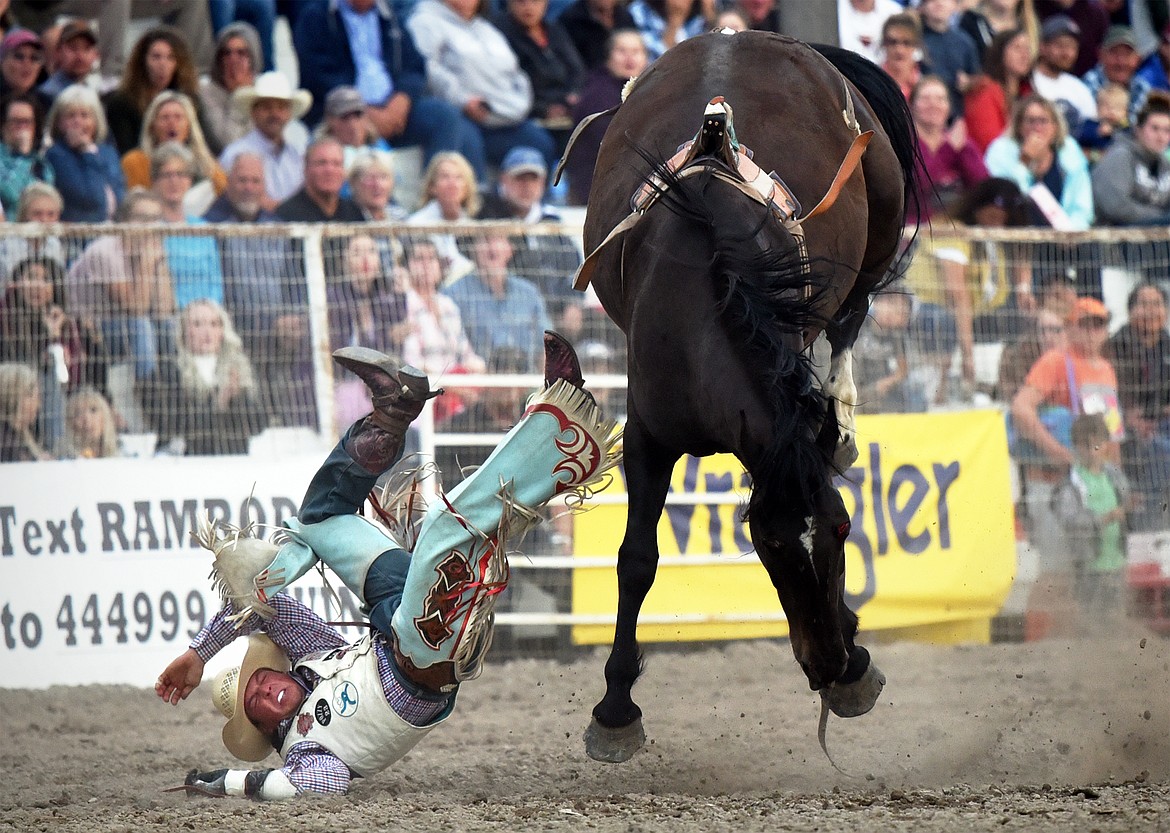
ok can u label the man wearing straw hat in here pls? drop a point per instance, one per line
(272, 104)
(333, 710)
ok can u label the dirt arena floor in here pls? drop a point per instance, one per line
(1042, 736)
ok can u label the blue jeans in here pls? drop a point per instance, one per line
(437, 126)
(1147, 464)
(260, 13)
(138, 339)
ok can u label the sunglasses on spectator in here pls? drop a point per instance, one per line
(1092, 322)
(25, 57)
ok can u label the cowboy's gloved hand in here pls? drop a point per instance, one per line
(210, 783)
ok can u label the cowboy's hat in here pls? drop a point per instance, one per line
(240, 736)
(272, 85)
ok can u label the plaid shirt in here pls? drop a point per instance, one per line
(299, 632)
(1139, 88)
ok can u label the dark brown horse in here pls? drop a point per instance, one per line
(720, 300)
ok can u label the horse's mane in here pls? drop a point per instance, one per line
(768, 297)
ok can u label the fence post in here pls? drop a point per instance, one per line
(319, 329)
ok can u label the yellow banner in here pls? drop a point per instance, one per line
(931, 542)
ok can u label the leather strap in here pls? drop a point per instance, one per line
(585, 122)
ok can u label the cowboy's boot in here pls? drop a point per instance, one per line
(250, 571)
(442, 628)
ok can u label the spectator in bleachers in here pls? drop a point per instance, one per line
(1037, 150)
(265, 297)
(1097, 135)
(206, 396)
(1140, 351)
(760, 15)
(260, 14)
(591, 23)
(90, 430)
(450, 194)
(160, 60)
(950, 52)
(1007, 66)
(76, 56)
(193, 261)
(734, 19)
(1043, 332)
(626, 58)
(1118, 64)
(1090, 18)
(1131, 182)
(500, 310)
(882, 370)
(859, 24)
(435, 342)
(86, 168)
(901, 51)
(320, 200)
(39, 203)
(988, 18)
(548, 58)
(171, 117)
(273, 105)
(548, 260)
(22, 62)
(1052, 76)
(470, 65)
(1154, 66)
(22, 158)
(237, 62)
(367, 308)
(665, 23)
(951, 164)
(1073, 381)
(371, 182)
(122, 285)
(347, 121)
(363, 44)
(20, 403)
(113, 21)
(36, 330)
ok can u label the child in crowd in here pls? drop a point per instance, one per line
(90, 432)
(1096, 135)
(1092, 505)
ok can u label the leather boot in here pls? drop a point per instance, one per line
(560, 361)
(398, 394)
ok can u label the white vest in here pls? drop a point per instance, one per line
(347, 712)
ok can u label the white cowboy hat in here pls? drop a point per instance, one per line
(240, 736)
(272, 85)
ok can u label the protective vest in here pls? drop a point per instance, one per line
(347, 712)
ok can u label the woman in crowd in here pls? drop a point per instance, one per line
(371, 185)
(22, 158)
(548, 57)
(902, 48)
(367, 308)
(87, 170)
(626, 58)
(193, 260)
(207, 391)
(22, 62)
(160, 60)
(1042, 332)
(90, 431)
(470, 65)
(39, 203)
(171, 117)
(1131, 182)
(450, 196)
(1037, 150)
(988, 103)
(950, 162)
(237, 62)
(666, 23)
(988, 18)
(20, 402)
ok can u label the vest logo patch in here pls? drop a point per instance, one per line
(304, 724)
(322, 713)
(345, 699)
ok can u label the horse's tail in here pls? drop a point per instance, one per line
(893, 113)
(769, 297)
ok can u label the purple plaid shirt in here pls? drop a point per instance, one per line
(299, 632)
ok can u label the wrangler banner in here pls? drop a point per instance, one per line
(931, 541)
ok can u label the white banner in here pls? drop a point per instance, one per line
(100, 579)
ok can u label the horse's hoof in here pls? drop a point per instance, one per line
(845, 454)
(614, 746)
(856, 698)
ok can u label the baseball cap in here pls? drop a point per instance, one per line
(17, 38)
(343, 100)
(1119, 36)
(77, 29)
(1057, 26)
(524, 160)
(1087, 307)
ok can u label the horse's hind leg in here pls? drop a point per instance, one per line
(839, 386)
(616, 733)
